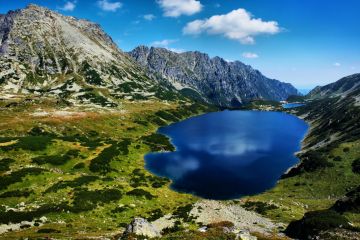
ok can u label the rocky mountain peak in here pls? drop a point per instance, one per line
(216, 80)
(43, 52)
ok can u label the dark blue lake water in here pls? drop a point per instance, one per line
(229, 154)
(292, 105)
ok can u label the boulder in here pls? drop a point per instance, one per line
(244, 235)
(141, 227)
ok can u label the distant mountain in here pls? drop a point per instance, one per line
(212, 79)
(342, 87)
(334, 110)
(45, 53)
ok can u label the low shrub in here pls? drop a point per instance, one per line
(79, 166)
(48, 230)
(101, 163)
(78, 182)
(350, 203)
(17, 176)
(183, 212)
(259, 207)
(16, 193)
(314, 222)
(356, 166)
(154, 215)
(5, 164)
(310, 162)
(30, 143)
(138, 192)
(85, 200)
(158, 142)
(56, 160)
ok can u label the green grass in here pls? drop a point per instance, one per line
(314, 190)
(52, 172)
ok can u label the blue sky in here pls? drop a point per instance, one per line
(304, 42)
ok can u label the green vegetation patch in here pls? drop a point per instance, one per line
(183, 212)
(48, 230)
(167, 116)
(350, 203)
(158, 142)
(138, 192)
(17, 176)
(101, 164)
(31, 143)
(259, 207)
(96, 99)
(56, 160)
(356, 166)
(91, 75)
(155, 214)
(17, 193)
(310, 162)
(128, 87)
(85, 200)
(314, 222)
(78, 182)
(5, 164)
(139, 179)
(12, 216)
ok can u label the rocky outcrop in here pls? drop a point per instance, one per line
(141, 227)
(216, 80)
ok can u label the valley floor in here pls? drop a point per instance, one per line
(79, 173)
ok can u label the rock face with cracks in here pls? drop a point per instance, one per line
(215, 80)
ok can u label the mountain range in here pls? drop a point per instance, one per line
(215, 80)
(45, 53)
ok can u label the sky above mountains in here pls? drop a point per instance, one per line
(306, 43)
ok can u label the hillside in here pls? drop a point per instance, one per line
(341, 87)
(44, 53)
(217, 81)
(323, 189)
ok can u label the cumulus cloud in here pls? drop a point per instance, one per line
(176, 8)
(105, 5)
(250, 55)
(337, 64)
(69, 6)
(149, 17)
(237, 25)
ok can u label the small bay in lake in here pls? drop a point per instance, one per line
(229, 154)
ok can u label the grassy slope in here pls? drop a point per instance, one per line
(100, 128)
(334, 134)
(316, 190)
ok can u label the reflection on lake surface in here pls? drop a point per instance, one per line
(229, 154)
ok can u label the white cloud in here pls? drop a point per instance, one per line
(177, 50)
(166, 44)
(236, 25)
(163, 43)
(176, 8)
(149, 17)
(337, 64)
(250, 55)
(105, 5)
(69, 6)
